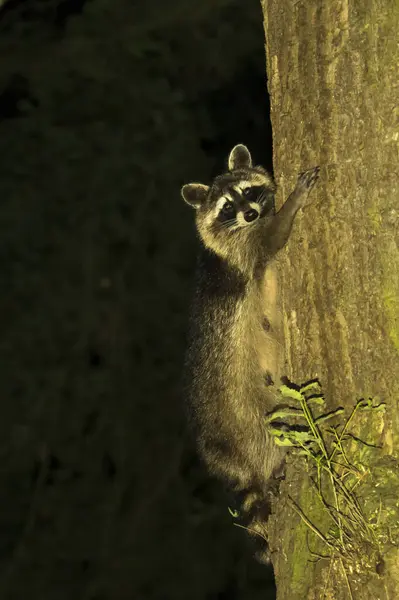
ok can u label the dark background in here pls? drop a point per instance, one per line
(106, 108)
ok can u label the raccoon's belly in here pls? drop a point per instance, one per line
(239, 371)
(254, 333)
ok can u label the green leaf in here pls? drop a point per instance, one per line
(288, 392)
(313, 386)
(317, 399)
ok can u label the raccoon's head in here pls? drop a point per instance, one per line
(234, 202)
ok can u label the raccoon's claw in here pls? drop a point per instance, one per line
(307, 179)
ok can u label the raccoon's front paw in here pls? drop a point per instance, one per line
(306, 182)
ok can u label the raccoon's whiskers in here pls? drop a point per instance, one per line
(228, 223)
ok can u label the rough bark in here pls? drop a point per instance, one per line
(334, 87)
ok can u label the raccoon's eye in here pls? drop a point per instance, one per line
(228, 209)
(247, 191)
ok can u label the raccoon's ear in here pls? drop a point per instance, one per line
(240, 158)
(194, 194)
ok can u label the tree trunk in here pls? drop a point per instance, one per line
(334, 89)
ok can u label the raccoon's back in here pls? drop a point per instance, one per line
(221, 362)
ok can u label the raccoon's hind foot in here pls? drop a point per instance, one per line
(264, 556)
(258, 539)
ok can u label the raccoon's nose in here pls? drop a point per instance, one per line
(251, 215)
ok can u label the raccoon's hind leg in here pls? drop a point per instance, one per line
(253, 516)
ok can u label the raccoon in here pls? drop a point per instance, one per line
(227, 386)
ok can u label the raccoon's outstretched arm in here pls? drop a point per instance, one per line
(272, 233)
(280, 226)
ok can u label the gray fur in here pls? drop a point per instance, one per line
(225, 381)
